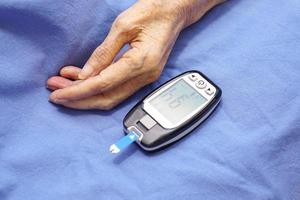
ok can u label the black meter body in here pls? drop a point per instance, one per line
(172, 110)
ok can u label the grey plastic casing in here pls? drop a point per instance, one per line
(158, 137)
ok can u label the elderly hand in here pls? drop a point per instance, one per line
(150, 27)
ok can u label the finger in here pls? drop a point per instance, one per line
(104, 54)
(57, 82)
(109, 99)
(124, 69)
(70, 72)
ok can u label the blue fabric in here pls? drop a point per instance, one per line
(249, 149)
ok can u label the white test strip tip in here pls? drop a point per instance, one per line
(114, 149)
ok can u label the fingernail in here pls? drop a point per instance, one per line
(85, 72)
(50, 87)
(57, 101)
(54, 99)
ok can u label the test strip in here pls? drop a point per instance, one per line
(123, 142)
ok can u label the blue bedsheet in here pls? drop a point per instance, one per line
(249, 149)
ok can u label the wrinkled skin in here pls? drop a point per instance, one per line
(150, 28)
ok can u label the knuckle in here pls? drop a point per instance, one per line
(121, 23)
(99, 86)
(133, 63)
(102, 53)
(102, 85)
(90, 90)
(126, 26)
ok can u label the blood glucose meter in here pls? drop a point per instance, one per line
(170, 112)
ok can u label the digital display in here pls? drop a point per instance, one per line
(177, 102)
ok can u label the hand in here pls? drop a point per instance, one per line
(150, 27)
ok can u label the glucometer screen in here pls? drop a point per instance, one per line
(178, 101)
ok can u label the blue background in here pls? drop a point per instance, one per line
(248, 149)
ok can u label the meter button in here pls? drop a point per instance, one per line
(147, 121)
(193, 77)
(201, 84)
(209, 91)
